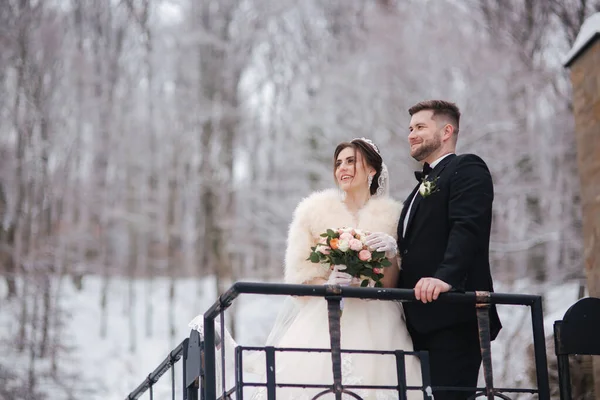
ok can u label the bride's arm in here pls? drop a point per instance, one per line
(298, 269)
(316, 281)
(383, 237)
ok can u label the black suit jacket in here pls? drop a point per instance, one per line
(447, 237)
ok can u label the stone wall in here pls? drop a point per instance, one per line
(585, 78)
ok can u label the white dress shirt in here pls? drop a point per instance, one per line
(432, 165)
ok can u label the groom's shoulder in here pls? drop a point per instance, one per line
(471, 166)
(469, 159)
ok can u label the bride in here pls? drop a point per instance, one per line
(361, 202)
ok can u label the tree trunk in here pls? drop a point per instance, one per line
(7, 263)
(22, 220)
(78, 202)
(23, 134)
(220, 72)
(141, 17)
(45, 202)
(132, 262)
(173, 243)
(32, 376)
(107, 44)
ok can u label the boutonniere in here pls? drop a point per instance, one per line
(428, 187)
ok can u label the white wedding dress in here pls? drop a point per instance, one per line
(365, 325)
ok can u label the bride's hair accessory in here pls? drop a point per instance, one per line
(369, 142)
(383, 179)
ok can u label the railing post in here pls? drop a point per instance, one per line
(482, 307)
(426, 378)
(173, 382)
(271, 382)
(564, 374)
(184, 368)
(539, 347)
(192, 366)
(210, 389)
(202, 378)
(221, 343)
(333, 306)
(239, 373)
(401, 372)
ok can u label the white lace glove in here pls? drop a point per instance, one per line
(337, 277)
(380, 241)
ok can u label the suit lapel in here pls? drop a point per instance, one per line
(403, 215)
(432, 175)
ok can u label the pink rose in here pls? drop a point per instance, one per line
(364, 255)
(356, 245)
(323, 240)
(346, 236)
(377, 270)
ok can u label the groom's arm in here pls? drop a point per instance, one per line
(469, 212)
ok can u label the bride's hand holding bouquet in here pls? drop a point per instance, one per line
(348, 247)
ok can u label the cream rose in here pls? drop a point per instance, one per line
(343, 245)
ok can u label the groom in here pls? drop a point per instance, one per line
(443, 237)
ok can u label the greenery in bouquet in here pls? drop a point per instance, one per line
(346, 246)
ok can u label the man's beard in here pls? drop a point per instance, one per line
(428, 148)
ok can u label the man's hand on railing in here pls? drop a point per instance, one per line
(428, 289)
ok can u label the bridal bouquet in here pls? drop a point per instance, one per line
(347, 246)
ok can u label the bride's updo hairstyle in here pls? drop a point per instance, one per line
(371, 157)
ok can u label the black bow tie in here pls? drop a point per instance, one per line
(420, 174)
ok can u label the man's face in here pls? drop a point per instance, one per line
(425, 137)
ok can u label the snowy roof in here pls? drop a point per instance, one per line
(590, 31)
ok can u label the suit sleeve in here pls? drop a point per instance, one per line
(469, 212)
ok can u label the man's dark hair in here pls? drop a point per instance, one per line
(441, 108)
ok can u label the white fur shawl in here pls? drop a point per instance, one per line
(324, 210)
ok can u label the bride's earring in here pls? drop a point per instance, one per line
(370, 180)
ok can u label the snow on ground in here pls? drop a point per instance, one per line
(511, 350)
(110, 358)
(110, 367)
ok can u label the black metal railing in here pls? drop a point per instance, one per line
(191, 352)
(166, 365)
(577, 333)
(271, 384)
(199, 354)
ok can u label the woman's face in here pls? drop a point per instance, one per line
(351, 171)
